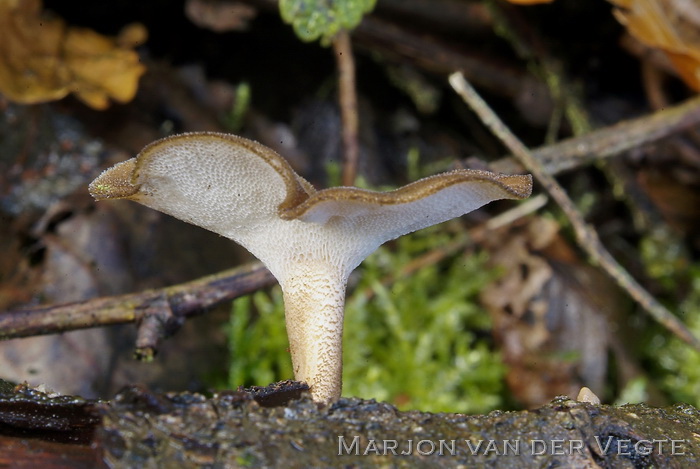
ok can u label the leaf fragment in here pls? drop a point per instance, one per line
(668, 25)
(43, 59)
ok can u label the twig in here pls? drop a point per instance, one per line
(157, 322)
(163, 308)
(521, 210)
(347, 96)
(586, 236)
(609, 141)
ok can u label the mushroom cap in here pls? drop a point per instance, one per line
(247, 192)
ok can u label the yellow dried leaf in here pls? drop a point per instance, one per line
(42, 59)
(662, 24)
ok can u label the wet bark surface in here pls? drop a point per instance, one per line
(279, 424)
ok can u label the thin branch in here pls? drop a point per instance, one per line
(165, 308)
(586, 236)
(608, 141)
(157, 322)
(347, 96)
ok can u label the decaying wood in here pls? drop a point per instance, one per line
(38, 430)
(238, 429)
(163, 308)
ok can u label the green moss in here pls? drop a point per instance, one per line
(680, 363)
(665, 257)
(235, 118)
(677, 365)
(258, 340)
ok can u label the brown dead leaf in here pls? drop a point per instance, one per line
(547, 318)
(668, 25)
(43, 59)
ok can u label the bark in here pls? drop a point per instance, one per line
(264, 426)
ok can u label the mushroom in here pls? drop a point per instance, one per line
(310, 240)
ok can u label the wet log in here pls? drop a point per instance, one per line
(264, 426)
(51, 432)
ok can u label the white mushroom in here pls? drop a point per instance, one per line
(310, 240)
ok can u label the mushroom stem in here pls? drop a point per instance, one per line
(314, 306)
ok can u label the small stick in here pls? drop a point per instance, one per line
(157, 322)
(347, 97)
(609, 141)
(166, 306)
(521, 210)
(586, 236)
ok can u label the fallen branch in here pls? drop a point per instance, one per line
(609, 141)
(586, 236)
(158, 312)
(140, 428)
